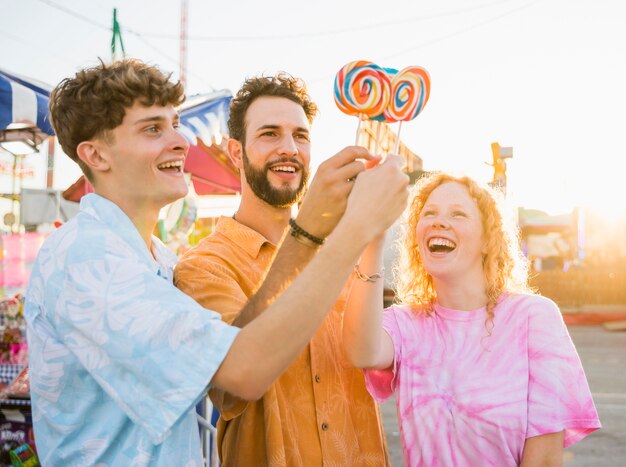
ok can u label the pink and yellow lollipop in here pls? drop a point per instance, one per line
(362, 89)
(410, 91)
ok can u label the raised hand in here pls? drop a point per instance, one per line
(378, 198)
(327, 196)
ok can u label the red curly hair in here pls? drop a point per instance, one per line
(505, 267)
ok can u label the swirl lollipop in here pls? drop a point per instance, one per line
(391, 72)
(411, 90)
(362, 89)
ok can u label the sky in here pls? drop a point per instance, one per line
(545, 77)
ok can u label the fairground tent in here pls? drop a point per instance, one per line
(23, 100)
(203, 121)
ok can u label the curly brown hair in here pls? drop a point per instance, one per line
(95, 100)
(280, 85)
(505, 267)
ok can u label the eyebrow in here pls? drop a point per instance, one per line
(156, 118)
(276, 127)
(452, 206)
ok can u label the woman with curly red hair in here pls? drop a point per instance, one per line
(483, 370)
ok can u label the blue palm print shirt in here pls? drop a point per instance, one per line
(119, 357)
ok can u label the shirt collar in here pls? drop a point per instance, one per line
(249, 240)
(112, 216)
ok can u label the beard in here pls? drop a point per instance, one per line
(260, 185)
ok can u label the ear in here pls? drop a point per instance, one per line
(235, 153)
(92, 155)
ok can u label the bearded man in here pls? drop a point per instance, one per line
(318, 412)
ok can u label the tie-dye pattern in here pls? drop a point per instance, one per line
(465, 397)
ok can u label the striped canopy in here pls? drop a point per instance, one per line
(205, 117)
(26, 100)
(23, 100)
(203, 121)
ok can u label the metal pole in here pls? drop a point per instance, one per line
(13, 192)
(50, 173)
(183, 44)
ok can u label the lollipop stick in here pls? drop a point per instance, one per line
(397, 146)
(377, 140)
(358, 133)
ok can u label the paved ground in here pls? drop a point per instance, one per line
(603, 355)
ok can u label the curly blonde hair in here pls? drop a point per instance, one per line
(505, 267)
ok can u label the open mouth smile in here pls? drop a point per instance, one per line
(171, 166)
(440, 245)
(283, 168)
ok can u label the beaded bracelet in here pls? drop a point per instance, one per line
(303, 240)
(365, 278)
(300, 231)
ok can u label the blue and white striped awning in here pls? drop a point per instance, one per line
(205, 117)
(23, 100)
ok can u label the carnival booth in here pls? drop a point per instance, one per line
(16, 433)
(24, 125)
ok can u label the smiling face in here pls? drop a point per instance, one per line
(450, 235)
(276, 151)
(144, 159)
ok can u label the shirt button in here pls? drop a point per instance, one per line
(325, 426)
(317, 378)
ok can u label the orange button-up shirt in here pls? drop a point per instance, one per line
(318, 412)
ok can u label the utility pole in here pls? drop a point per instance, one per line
(183, 43)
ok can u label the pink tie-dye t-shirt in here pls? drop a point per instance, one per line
(467, 398)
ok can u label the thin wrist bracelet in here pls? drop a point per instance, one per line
(365, 278)
(295, 228)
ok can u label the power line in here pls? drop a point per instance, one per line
(127, 30)
(332, 31)
(446, 37)
(38, 47)
(140, 36)
(462, 31)
(105, 27)
(76, 15)
(366, 27)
